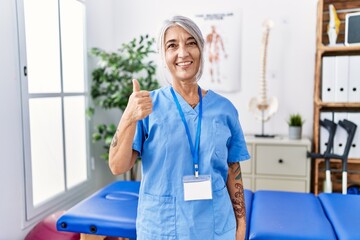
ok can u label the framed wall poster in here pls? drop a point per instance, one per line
(222, 34)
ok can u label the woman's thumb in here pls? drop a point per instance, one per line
(136, 85)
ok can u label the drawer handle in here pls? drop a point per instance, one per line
(281, 161)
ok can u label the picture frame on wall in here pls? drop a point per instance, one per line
(222, 53)
(352, 29)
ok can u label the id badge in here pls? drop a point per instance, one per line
(197, 188)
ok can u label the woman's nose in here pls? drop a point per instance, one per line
(183, 51)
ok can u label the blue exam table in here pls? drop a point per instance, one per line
(108, 212)
(270, 214)
(288, 216)
(112, 211)
(343, 212)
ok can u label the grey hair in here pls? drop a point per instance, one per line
(188, 25)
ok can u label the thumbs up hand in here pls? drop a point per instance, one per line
(139, 104)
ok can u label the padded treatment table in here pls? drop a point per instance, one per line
(343, 211)
(109, 212)
(288, 215)
(248, 195)
(112, 212)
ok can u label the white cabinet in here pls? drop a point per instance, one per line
(277, 164)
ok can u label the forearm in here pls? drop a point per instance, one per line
(236, 192)
(121, 154)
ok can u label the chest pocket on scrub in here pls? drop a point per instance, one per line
(221, 138)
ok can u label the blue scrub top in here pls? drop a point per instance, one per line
(162, 142)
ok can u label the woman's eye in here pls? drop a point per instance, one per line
(171, 46)
(192, 43)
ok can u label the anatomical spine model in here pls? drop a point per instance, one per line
(262, 107)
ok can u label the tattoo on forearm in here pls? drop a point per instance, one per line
(115, 139)
(238, 201)
(237, 170)
(238, 198)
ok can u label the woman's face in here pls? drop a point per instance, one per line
(182, 54)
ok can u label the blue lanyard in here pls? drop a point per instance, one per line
(194, 150)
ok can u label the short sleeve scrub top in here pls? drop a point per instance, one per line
(162, 142)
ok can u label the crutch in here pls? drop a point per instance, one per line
(350, 128)
(330, 126)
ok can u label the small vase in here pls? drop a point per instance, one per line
(294, 132)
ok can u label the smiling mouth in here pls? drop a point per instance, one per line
(181, 64)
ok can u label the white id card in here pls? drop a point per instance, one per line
(197, 188)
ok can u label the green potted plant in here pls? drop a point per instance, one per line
(295, 123)
(112, 82)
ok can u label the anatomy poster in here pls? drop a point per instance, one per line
(222, 35)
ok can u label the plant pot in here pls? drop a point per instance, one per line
(294, 132)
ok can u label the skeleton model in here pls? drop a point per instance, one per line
(262, 107)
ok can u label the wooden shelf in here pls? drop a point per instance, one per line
(339, 106)
(343, 7)
(339, 50)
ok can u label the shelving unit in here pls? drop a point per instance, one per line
(322, 50)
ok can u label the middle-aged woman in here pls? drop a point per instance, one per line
(190, 141)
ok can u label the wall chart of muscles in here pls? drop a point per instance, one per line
(261, 106)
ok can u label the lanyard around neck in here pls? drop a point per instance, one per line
(194, 150)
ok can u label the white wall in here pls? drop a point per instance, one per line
(11, 170)
(100, 33)
(291, 54)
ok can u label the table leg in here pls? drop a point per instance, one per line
(91, 237)
(84, 236)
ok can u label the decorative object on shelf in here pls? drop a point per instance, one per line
(333, 26)
(295, 126)
(262, 107)
(112, 82)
